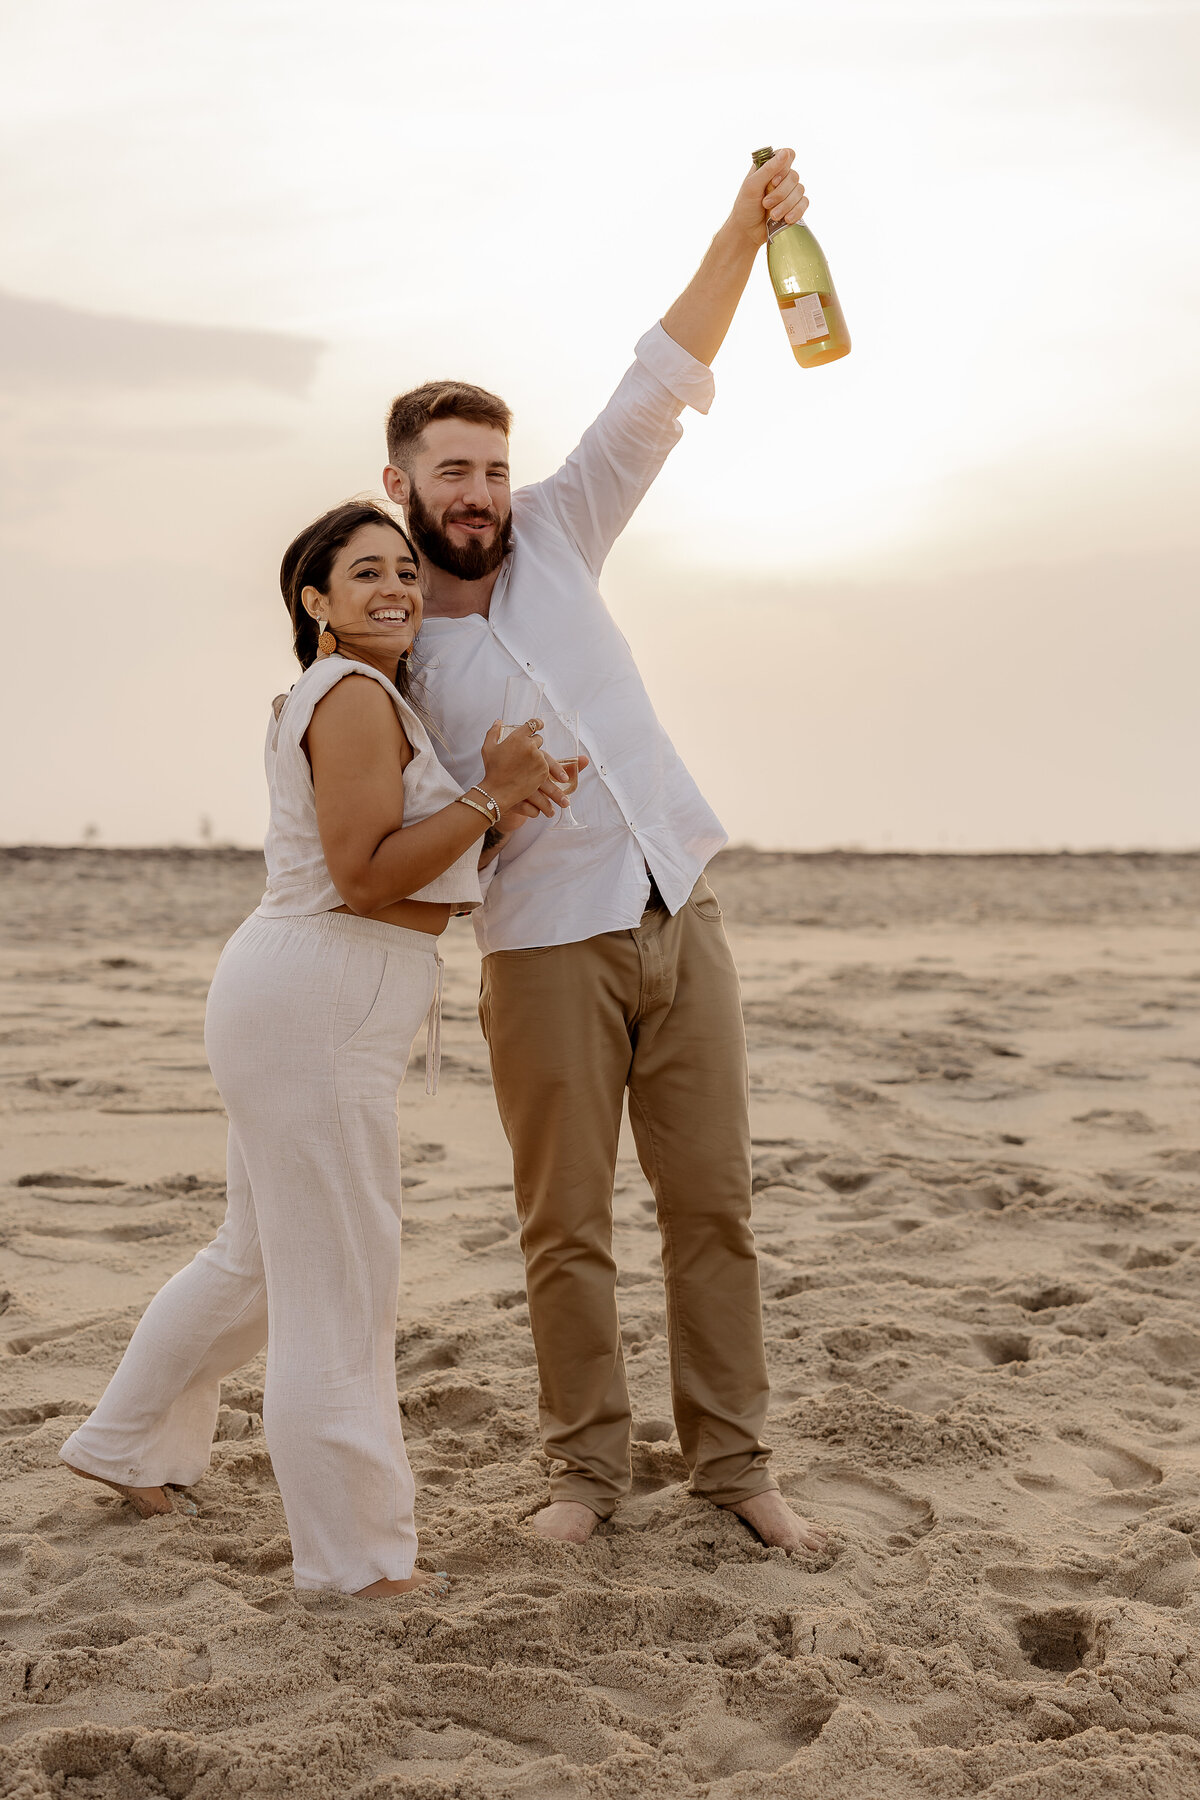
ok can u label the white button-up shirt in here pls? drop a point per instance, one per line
(547, 620)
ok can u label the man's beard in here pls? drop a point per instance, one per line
(470, 561)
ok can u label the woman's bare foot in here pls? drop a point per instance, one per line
(566, 1522)
(436, 1586)
(771, 1518)
(147, 1502)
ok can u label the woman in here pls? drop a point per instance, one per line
(311, 1014)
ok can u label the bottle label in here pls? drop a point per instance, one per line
(804, 318)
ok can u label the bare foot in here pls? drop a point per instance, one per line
(436, 1586)
(566, 1522)
(147, 1502)
(771, 1518)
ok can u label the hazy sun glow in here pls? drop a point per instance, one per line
(947, 577)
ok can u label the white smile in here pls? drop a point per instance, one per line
(391, 615)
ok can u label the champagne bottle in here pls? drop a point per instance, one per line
(804, 289)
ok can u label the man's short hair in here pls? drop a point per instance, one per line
(410, 413)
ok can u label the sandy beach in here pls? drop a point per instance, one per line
(976, 1105)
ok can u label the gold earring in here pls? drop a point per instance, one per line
(326, 642)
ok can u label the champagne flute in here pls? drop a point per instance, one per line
(560, 739)
(522, 702)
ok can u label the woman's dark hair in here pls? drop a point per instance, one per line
(308, 562)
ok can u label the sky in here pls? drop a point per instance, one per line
(937, 595)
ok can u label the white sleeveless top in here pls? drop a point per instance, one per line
(298, 880)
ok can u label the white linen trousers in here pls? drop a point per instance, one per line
(309, 1025)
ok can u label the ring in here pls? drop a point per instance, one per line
(534, 725)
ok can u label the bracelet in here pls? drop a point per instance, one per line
(475, 806)
(493, 810)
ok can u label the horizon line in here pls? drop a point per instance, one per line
(22, 851)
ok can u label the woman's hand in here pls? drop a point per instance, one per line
(565, 777)
(561, 781)
(515, 769)
(519, 815)
(557, 789)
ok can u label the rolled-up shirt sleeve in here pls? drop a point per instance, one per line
(598, 488)
(691, 382)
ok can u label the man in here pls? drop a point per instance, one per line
(605, 961)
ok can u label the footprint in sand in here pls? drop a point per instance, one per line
(1170, 1353)
(1182, 1161)
(1038, 1582)
(282, 1602)
(1141, 1256)
(1001, 1349)
(725, 1745)
(18, 1421)
(137, 1233)
(485, 1237)
(74, 1087)
(32, 1340)
(98, 1631)
(1121, 1468)
(420, 1349)
(67, 1179)
(509, 1299)
(845, 1175)
(1155, 1566)
(1048, 1297)
(1096, 1481)
(1113, 1119)
(159, 1111)
(158, 1664)
(442, 1401)
(1060, 1638)
(878, 1508)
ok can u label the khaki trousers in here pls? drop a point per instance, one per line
(656, 1010)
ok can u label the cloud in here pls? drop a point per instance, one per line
(45, 345)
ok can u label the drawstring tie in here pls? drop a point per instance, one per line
(433, 1040)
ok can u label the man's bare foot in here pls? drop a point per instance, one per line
(771, 1518)
(147, 1502)
(566, 1522)
(436, 1586)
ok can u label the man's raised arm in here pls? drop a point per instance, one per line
(594, 494)
(704, 311)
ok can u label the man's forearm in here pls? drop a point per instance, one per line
(494, 841)
(704, 311)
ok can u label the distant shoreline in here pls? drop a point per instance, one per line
(181, 894)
